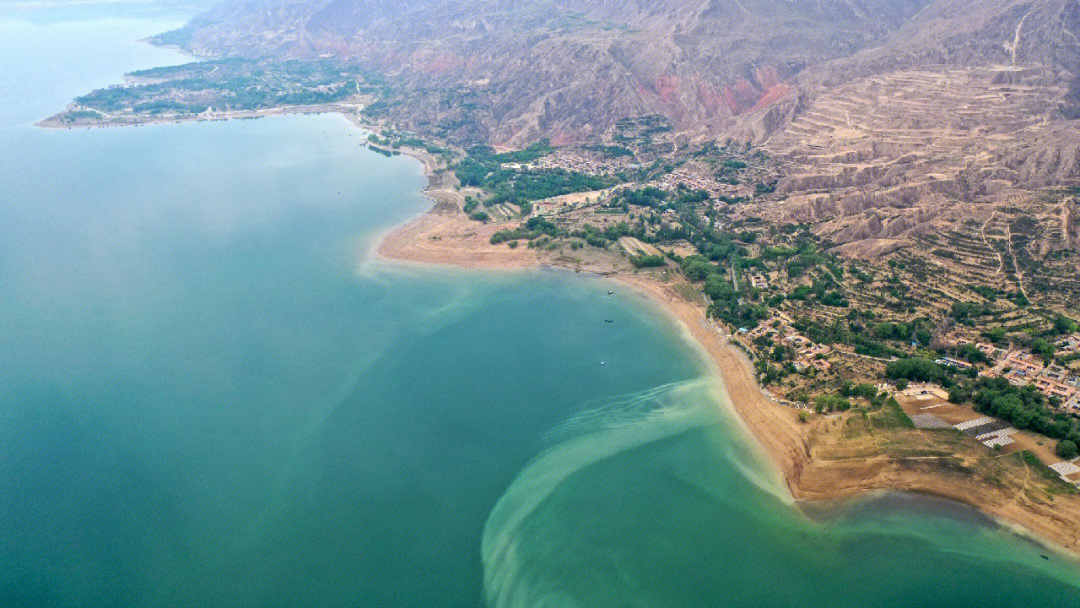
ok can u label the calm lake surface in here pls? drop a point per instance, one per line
(211, 395)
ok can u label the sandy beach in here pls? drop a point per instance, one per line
(813, 469)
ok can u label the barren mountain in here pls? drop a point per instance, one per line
(567, 68)
(891, 115)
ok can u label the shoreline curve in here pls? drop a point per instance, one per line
(443, 236)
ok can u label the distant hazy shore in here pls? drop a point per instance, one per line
(56, 121)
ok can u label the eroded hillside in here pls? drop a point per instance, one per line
(566, 69)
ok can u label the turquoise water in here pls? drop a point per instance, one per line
(211, 395)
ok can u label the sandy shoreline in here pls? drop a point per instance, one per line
(444, 236)
(461, 242)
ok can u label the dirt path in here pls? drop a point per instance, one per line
(1016, 265)
(634, 246)
(986, 241)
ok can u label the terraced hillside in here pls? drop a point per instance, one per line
(896, 151)
(1019, 249)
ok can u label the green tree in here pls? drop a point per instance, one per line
(698, 268)
(1064, 325)
(995, 335)
(1066, 449)
(647, 261)
(914, 368)
(1044, 349)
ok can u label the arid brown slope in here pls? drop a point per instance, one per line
(965, 108)
(565, 69)
(884, 156)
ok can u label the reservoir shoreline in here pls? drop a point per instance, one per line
(443, 235)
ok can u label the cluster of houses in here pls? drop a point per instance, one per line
(683, 177)
(1021, 367)
(808, 354)
(576, 160)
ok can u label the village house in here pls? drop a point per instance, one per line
(953, 362)
(992, 352)
(923, 391)
(1073, 403)
(543, 208)
(1070, 344)
(1056, 373)
(1017, 378)
(815, 350)
(1023, 364)
(799, 341)
(1055, 388)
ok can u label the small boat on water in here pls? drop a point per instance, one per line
(610, 291)
(608, 321)
(601, 363)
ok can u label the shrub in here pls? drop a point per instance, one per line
(647, 261)
(834, 299)
(697, 268)
(971, 354)
(829, 403)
